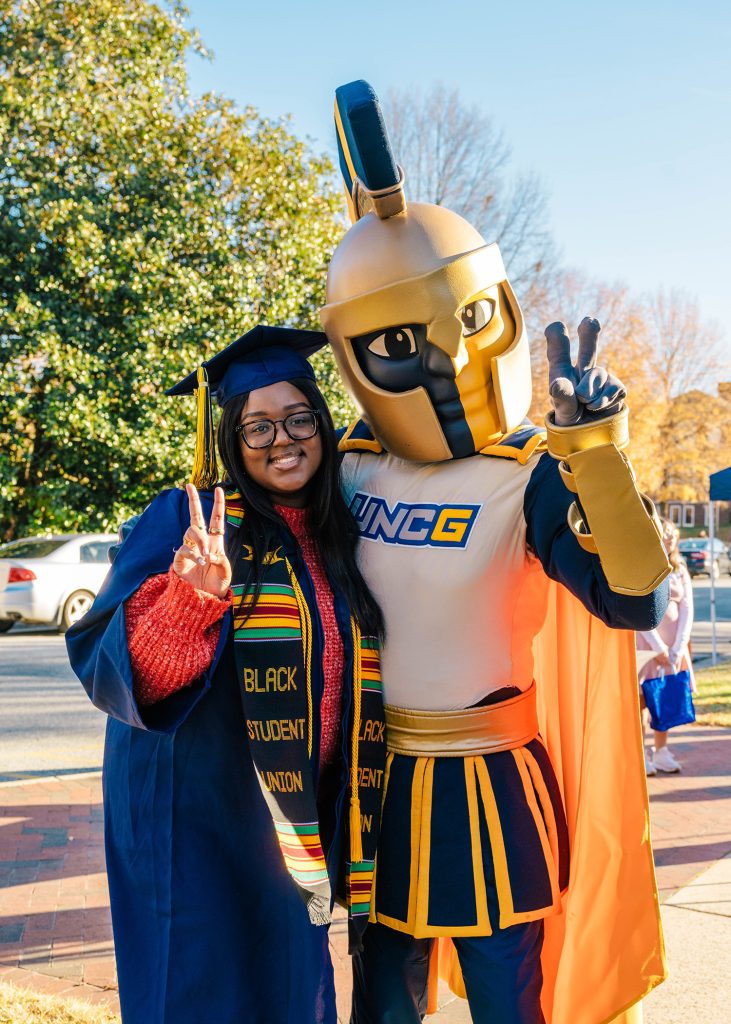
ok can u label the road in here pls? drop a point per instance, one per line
(49, 726)
(702, 598)
(701, 637)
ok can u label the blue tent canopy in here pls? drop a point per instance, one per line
(721, 485)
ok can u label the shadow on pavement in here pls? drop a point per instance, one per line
(683, 795)
(692, 853)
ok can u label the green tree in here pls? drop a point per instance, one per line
(140, 231)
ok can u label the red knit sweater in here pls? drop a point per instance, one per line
(333, 659)
(173, 629)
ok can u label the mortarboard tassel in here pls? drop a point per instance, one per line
(205, 467)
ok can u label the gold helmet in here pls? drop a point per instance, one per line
(425, 327)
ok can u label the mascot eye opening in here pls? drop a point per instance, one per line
(476, 315)
(394, 343)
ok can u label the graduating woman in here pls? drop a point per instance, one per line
(229, 832)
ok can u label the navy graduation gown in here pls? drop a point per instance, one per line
(208, 925)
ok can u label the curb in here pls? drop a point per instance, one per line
(51, 777)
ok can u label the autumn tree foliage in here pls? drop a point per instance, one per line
(671, 359)
(687, 358)
(456, 156)
(140, 231)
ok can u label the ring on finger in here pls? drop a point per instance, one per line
(216, 533)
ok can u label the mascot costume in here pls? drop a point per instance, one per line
(512, 564)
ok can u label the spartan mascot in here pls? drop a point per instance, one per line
(512, 564)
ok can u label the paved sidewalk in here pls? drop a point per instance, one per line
(55, 931)
(697, 924)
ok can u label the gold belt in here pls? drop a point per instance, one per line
(484, 730)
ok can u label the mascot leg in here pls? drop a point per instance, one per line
(502, 974)
(390, 978)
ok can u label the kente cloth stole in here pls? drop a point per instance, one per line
(273, 654)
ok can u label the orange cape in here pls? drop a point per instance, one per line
(605, 952)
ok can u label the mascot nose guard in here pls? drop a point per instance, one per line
(426, 329)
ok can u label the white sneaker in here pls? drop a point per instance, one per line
(665, 762)
(650, 768)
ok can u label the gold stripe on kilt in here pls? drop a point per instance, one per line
(546, 814)
(497, 845)
(530, 797)
(417, 810)
(478, 868)
(423, 842)
(387, 770)
(417, 786)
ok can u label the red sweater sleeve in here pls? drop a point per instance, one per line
(172, 633)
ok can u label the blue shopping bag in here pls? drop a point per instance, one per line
(669, 701)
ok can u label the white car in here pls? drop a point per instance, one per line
(52, 580)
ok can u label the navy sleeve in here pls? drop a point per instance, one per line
(546, 505)
(97, 644)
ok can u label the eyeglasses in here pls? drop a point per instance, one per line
(261, 433)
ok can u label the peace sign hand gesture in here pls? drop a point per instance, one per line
(201, 559)
(583, 392)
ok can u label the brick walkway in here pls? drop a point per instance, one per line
(691, 812)
(55, 931)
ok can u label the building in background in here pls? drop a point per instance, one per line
(692, 517)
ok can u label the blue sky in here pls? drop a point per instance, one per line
(623, 110)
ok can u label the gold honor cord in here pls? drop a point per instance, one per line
(307, 646)
(356, 841)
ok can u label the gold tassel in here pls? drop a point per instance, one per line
(356, 840)
(205, 467)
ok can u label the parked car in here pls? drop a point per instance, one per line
(697, 554)
(52, 580)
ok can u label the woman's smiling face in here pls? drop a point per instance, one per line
(284, 468)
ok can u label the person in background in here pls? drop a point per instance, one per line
(228, 832)
(669, 641)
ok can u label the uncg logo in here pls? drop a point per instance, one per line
(434, 526)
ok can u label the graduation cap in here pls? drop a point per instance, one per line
(262, 356)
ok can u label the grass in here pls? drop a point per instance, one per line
(17, 1006)
(713, 700)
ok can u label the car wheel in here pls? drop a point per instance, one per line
(6, 624)
(77, 604)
